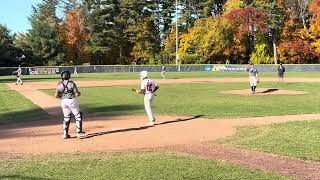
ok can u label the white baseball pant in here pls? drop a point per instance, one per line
(147, 105)
(19, 80)
(68, 106)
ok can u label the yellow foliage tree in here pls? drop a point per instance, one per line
(205, 42)
(170, 45)
(146, 43)
(314, 8)
(233, 5)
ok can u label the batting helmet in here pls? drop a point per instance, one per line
(143, 74)
(65, 75)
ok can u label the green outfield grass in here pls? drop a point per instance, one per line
(16, 108)
(156, 75)
(201, 99)
(148, 165)
(296, 139)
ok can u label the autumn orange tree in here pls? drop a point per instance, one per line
(75, 35)
(295, 46)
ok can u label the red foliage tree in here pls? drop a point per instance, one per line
(245, 23)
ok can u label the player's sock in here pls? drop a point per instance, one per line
(254, 88)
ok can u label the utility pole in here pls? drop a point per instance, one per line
(177, 35)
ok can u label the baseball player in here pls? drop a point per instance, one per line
(163, 71)
(19, 73)
(75, 72)
(253, 77)
(148, 88)
(67, 90)
(281, 71)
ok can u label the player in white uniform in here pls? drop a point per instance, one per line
(253, 77)
(19, 73)
(163, 72)
(68, 91)
(148, 88)
(75, 72)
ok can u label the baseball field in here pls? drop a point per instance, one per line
(208, 126)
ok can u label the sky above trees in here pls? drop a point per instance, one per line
(14, 14)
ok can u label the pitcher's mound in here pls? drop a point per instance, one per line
(264, 91)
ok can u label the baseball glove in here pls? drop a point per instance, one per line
(135, 90)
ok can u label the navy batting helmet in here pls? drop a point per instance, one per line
(65, 75)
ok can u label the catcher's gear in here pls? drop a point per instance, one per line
(78, 118)
(66, 124)
(65, 75)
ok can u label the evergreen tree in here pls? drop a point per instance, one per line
(105, 33)
(167, 12)
(7, 50)
(140, 29)
(275, 22)
(44, 38)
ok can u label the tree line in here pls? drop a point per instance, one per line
(73, 32)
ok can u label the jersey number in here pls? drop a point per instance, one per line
(149, 87)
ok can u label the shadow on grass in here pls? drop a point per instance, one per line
(126, 109)
(24, 177)
(269, 91)
(38, 117)
(139, 128)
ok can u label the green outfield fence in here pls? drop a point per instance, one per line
(5, 71)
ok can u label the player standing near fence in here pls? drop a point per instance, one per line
(163, 71)
(67, 90)
(148, 88)
(75, 72)
(19, 73)
(253, 77)
(281, 71)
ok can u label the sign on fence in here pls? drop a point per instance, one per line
(45, 70)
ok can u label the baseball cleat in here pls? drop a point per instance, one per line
(66, 136)
(150, 123)
(81, 134)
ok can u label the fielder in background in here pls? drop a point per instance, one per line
(163, 71)
(31, 72)
(148, 88)
(67, 90)
(75, 72)
(281, 71)
(253, 77)
(19, 73)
